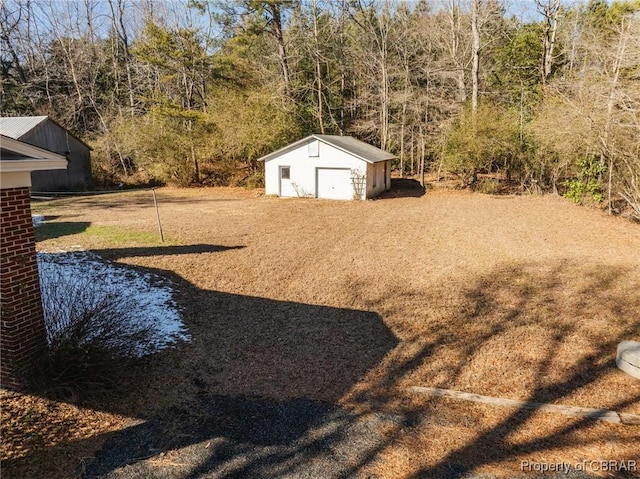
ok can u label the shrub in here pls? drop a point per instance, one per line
(489, 143)
(81, 311)
(587, 183)
(255, 179)
(96, 319)
(630, 184)
(488, 186)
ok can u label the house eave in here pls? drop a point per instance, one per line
(298, 143)
(286, 149)
(32, 164)
(29, 157)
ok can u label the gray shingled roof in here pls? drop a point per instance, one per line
(17, 126)
(355, 147)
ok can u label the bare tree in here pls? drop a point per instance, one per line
(377, 24)
(455, 21)
(550, 10)
(620, 59)
(475, 56)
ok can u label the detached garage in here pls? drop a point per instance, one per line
(327, 166)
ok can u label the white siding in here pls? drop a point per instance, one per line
(303, 168)
(377, 181)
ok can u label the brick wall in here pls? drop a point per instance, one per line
(22, 332)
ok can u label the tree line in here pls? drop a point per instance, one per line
(193, 92)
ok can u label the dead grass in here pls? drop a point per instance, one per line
(519, 297)
(42, 438)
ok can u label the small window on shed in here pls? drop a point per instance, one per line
(285, 172)
(314, 148)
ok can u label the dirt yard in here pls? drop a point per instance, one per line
(311, 320)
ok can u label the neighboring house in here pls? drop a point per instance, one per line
(327, 166)
(22, 329)
(43, 132)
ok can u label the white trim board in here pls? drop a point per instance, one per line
(592, 413)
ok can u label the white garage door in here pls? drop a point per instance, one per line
(334, 183)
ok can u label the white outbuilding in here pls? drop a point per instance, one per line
(328, 166)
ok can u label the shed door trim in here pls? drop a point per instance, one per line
(286, 179)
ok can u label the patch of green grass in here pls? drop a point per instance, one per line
(116, 236)
(107, 235)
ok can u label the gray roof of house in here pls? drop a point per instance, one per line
(17, 126)
(351, 145)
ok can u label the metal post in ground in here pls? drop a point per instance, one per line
(155, 203)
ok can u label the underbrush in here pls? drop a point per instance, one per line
(488, 186)
(96, 324)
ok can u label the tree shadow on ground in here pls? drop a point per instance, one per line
(404, 188)
(133, 252)
(262, 389)
(257, 382)
(243, 436)
(511, 312)
(46, 231)
(130, 198)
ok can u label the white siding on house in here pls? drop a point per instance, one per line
(303, 171)
(378, 179)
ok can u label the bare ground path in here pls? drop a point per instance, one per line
(335, 309)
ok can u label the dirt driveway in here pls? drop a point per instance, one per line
(311, 320)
